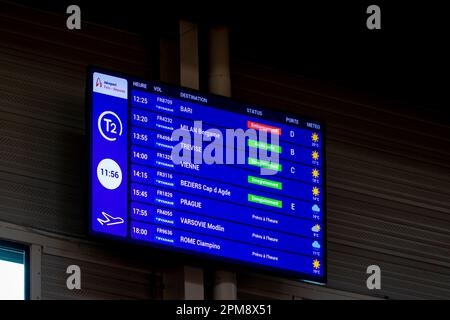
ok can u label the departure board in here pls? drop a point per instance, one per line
(205, 175)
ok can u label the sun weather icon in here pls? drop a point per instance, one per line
(316, 264)
(316, 228)
(315, 191)
(315, 173)
(315, 155)
(315, 137)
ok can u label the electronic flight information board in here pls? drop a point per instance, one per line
(266, 210)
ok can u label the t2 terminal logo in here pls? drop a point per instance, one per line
(109, 125)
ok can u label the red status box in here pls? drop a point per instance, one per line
(263, 127)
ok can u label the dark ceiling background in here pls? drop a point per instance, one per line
(407, 60)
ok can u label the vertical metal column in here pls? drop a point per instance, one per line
(219, 82)
(189, 77)
(35, 272)
(189, 66)
(186, 282)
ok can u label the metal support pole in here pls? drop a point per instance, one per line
(192, 277)
(189, 69)
(220, 83)
(35, 272)
(219, 61)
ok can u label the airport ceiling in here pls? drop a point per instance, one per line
(406, 60)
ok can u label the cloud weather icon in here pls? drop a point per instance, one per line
(316, 245)
(315, 208)
(315, 228)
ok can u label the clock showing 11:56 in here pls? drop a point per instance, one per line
(109, 174)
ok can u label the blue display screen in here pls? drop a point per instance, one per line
(185, 171)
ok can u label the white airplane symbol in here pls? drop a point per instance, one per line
(110, 220)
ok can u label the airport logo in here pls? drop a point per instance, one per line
(109, 85)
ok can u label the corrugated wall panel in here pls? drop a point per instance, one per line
(42, 86)
(98, 281)
(388, 184)
(42, 149)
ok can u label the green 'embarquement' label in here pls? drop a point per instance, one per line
(265, 182)
(266, 201)
(263, 145)
(264, 164)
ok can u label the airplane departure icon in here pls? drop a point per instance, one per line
(109, 220)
